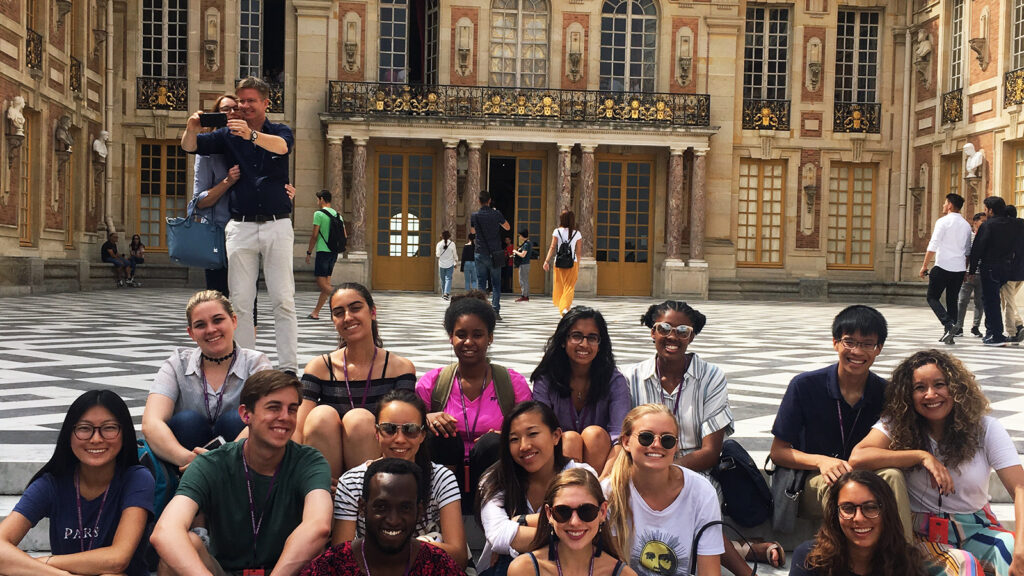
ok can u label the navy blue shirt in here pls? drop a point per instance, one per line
(260, 190)
(798, 564)
(809, 416)
(487, 222)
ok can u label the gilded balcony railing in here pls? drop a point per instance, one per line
(76, 75)
(765, 114)
(1013, 87)
(953, 106)
(161, 93)
(33, 49)
(517, 104)
(276, 96)
(857, 117)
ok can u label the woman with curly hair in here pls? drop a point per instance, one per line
(935, 426)
(861, 533)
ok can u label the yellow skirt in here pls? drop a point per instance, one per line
(565, 287)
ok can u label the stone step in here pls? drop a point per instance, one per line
(38, 538)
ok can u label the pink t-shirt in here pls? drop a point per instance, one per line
(484, 413)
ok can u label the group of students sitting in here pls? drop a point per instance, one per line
(591, 471)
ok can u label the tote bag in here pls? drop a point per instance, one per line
(192, 241)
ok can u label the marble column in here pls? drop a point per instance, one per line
(698, 207)
(675, 203)
(451, 184)
(564, 177)
(472, 180)
(357, 238)
(585, 217)
(334, 169)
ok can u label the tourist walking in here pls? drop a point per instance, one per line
(521, 260)
(950, 244)
(468, 263)
(487, 223)
(446, 261)
(971, 290)
(564, 242)
(321, 240)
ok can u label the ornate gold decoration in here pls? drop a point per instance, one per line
(953, 106)
(33, 49)
(161, 93)
(76, 75)
(1013, 87)
(857, 117)
(766, 114)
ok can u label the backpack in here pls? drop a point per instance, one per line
(335, 238)
(502, 388)
(745, 494)
(563, 256)
(164, 474)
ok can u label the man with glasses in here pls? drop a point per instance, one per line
(260, 224)
(826, 412)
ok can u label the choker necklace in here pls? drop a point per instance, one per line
(234, 350)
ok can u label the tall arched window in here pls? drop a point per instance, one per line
(628, 40)
(519, 43)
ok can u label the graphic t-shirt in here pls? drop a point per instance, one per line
(54, 498)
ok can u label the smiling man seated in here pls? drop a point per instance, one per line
(265, 499)
(392, 503)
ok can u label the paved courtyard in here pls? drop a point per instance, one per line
(52, 347)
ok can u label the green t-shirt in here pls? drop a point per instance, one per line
(320, 219)
(216, 482)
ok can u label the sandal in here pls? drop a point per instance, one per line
(761, 550)
(311, 317)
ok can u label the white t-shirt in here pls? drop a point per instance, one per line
(951, 242)
(444, 490)
(970, 479)
(445, 254)
(561, 235)
(662, 538)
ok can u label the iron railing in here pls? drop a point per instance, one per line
(765, 114)
(1013, 87)
(161, 93)
(76, 75)
(362, 99)
(33, 49)
(276, 96)
(856, 117)
(953, 106)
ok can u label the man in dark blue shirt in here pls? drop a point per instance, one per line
(487, 224)
(261, 210)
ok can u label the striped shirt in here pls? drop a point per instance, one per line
(703, 406)
(444, 490)
(334, 393)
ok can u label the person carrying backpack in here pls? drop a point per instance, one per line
(329, 237)
(564, 242)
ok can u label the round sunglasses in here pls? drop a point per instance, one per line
(585, 512)
(668, 441)
(410, 430)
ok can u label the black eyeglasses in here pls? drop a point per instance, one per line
(664, 329)
(107, 431)
(586, 512)
(668, 441)
(869, 509)
(579, 337)
(228, 109)
(410, 430)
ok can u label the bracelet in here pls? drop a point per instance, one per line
(47, 561)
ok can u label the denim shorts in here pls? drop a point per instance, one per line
(324, 265)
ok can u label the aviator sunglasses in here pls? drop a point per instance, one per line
(409, 429)
(664, 329)
(668, 441)
(586, 512)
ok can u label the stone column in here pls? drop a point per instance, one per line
(472, 179)
(334, 170)
(357, 240)
(451, 183)
(585, 217)
(675, 203)
(564, 177)
(698, 207)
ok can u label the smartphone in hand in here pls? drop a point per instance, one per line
(215, 443)
(213, 119)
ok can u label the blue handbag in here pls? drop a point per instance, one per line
(195, 241)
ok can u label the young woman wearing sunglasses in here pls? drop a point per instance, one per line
(695, 393)
(571, 534)
(578, 379)
(658, 506)
(512, 490)
(401, 430)
(861, 533)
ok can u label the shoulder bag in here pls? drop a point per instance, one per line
(192, 241)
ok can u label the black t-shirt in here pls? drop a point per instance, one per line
(105, 250)
(487, 223)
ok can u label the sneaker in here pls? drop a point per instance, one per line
(994, 340)
(947, 338)
(522, 299)
(1019, 336)
(497, 316)
(446, 297)
(959, 332)
(976, 332)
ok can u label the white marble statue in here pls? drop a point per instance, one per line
(16, 117)
(99, 146)
(974, 160)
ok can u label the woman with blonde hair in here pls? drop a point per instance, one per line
(658, 506)
(935, 425)
(567, 268)
(195, 395)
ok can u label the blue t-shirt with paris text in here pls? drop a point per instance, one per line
(54, 498)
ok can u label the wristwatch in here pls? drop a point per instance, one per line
(308, 253)
(253, 136)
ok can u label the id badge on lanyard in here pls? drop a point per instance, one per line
(938, 530)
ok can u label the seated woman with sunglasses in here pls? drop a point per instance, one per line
(695, 393)
(935, 426)
(657, 506)
(571, 534)
(401, 431)
(512, 490)
(578, 379)
(861, 533)
(96, 495)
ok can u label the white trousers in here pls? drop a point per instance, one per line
(274, 241)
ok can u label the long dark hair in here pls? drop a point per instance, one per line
(555, 365)
(567, 220)
(893, 556)
(564, 479)
(64, 462)
(365, 293)
(505, 476)
(423, 452)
